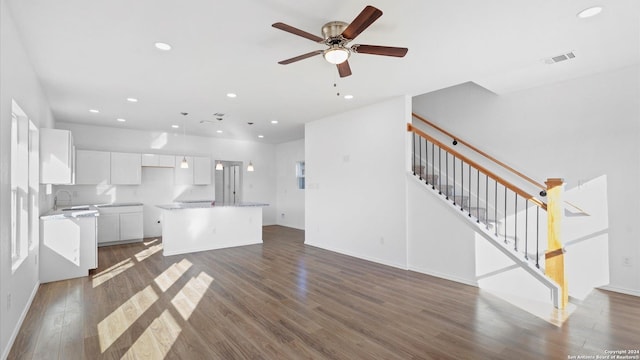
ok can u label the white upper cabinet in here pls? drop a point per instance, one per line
(93, 167)
(56, 156)
(126, 168)
(157, 160)
(183, 176)
(201, 170)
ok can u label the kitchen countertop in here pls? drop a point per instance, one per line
(70, 214)
(208, 205)
(76, 211)
(118, 204)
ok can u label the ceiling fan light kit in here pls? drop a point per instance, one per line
(336, 55)
(337, 34)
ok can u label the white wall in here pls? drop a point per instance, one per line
(583, 130)
(290, 199)
(157, 184)
(19, 82)
(356, 186)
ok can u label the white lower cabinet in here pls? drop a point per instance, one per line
(108, 228)
(67, 248)
(120, 224)
(131, 225)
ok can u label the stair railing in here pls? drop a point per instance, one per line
(456, 140)
(511, 214)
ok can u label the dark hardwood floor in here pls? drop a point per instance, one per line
(286, 300)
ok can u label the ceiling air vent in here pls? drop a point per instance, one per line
(559, 58)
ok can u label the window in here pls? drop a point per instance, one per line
(300, 174)
(21, 208)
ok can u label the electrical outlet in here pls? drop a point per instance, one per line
(36, 257)
(626, 261)
(381, 240)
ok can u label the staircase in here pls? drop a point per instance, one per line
(510, 218)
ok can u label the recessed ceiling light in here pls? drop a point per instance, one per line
(219, 131)
(589, 12)
(232, 95)
(274, 121)
(93, 111)
(121, 120)
(134, 100)
(260, 136)
(162, 46)
(348, 97)
(175, 126)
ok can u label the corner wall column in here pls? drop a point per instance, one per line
(554, 256)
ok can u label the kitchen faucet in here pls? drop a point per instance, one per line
(55, 198)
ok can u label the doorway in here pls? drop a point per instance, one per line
(229, 182)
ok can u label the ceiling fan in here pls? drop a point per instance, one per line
(337, 35)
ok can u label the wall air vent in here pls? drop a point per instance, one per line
(559, 58)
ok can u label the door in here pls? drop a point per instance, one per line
(229, 182)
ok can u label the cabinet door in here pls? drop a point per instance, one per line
(183, 176)
(108, 228)
(131, 226)
(201, 171)
(56, 156)
(126, 168)
(92, 167)
(166, 161)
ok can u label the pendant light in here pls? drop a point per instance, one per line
(184, 164)
(219, 165)
(250, 166)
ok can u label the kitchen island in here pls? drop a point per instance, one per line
(200, 226)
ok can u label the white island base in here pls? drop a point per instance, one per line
(192, 229)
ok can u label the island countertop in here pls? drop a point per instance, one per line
(208, 205)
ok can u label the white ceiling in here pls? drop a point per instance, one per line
(95, 54)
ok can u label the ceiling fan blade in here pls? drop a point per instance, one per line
(300, 57)
(380, 50)
(344, 69)
(361, 22)
(296, 31)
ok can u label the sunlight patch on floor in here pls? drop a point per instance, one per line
(156, 340)
(116, 323)
(187, 299)
(542, 310)
(142, 255)
(113, 271)
(172, 274)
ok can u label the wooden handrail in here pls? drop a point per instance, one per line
(541, 186)
(481, 168)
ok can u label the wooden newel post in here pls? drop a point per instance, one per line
(554, 257)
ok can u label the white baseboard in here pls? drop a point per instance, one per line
(443, 276)
(360, 256)
(16, 330)
(621, 290)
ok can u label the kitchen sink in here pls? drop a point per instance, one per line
(76, 208)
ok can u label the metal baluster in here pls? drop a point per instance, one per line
(515, 225)
(433, 164)
(495, 207)
(414, 153)
(486, 200)
(440, 170)
(505, 214)
(526, 229)
(454, 179)
(461, 185)
(426, 162)
(469, 190)
(420, 163)
(446, 159)
(477, 196)
(537, 237)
